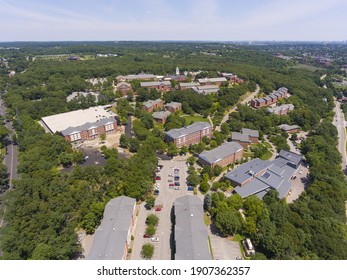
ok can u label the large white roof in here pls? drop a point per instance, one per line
(62, 121)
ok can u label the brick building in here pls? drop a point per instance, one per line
(123, 87)
(173, 106)
(161, 116)
(152, 105)
(160, 86)
(223, 155)
(189, 135)
(245, 137)
(289, 128)
(270, 99)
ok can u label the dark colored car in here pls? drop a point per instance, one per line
(177, 178)
(177, 184)
(146, 236)
(190, 188)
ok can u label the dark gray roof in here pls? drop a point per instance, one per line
(113, 232)
(179, 132)
(277, 175)
(191, 236)
(86, 126)
(238, 136)
(223, 151)
(247, 170)
(250, 132)
(290, 156)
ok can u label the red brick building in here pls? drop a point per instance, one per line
(173, 106)
(152, 105)
(270, 99)
(189, 135)
(223, 155)
(160, 86)
(123, 88)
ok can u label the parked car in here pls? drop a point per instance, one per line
(177, 184)
(171, 185)
(158, 178)
(170, 180)
(177, 178)
(155, 239)
(156, 192)
(158, 209)
(190, 188)
(177, 188)
(146, 236)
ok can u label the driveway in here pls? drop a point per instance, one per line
(299, 184)
(222, 248)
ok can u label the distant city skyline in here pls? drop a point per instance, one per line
(200, 20)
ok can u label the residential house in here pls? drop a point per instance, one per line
(152, 105)
(191, 238)
(223, 155)
(270, 99)
(112, 238)
(189, 135)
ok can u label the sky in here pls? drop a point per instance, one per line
(205, 20)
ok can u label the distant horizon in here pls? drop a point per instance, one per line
(168, 20)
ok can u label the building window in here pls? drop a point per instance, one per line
(75, 137)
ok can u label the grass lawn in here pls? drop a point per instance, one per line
(207, 219)
(267, 145)
(266, 156)
(190, 119)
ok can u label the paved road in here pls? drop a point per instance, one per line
(166, 198)
(340, 123)
(244, 101)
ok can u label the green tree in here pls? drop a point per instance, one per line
(207, 202)
(172, 150)
(152, 219)
(150, 202)
(150, 230)
(147, 251)
(228, 221)
(204, 187)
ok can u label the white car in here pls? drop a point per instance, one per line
(155, 239)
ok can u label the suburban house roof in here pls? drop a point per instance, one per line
(151, 103)
(276, 174)
(154, 84)
(280, 108)
(286, 127)
(180, 132)
(161, 115)
(221, 152)
(190, 230)
(71, 130)
(112, 234)
(77, 118)
(123, 84)
(175, 105)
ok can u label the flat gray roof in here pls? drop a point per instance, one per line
(244, 135)
(112, 234)
(189, 84)
(60, 122)
(280, 108)
(180, 132)
(148, 84)
(290, 156)
(250, 132)
(212, 80)
(191, 236)
(223, 151)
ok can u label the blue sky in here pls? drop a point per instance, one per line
(46, 20)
